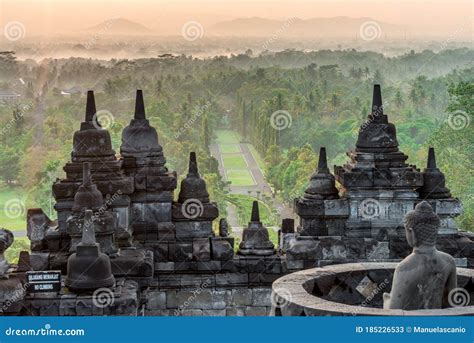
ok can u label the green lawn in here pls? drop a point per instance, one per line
(229, 148)
(227, 137)
(257, 157)
(19, 244)
(234, 162)
(240, 177)
(12, 208)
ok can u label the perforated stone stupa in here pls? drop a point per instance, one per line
(161, 253)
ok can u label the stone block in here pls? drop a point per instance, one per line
(166, 232)
(241, 297)
(157, 212)
(214, 313)
(171, 299)
(235, 311)
(201, 249)
(185, 266)
(198, 298)
(309, 209)
(169, 281)
(180, 251)
(211, 266)
(232, 279)
(39, 260)
(336, 227)
(261, 297)
(254, 311)
(164, 266)
(273, 266)
(193, 229)
(294, 264)
(50, 307)
(336, 208)
(399, 248)
(161, 252)
(254, 265)
(355, 248)
(133, 262)
(229, 266)
(221, 249)
(67, 306)
(84, 306)
(377, 250)
(191, 313)
(332, 248)
(461, 262)
(197, 280)
(285, 240)
(155, 300)
(304, 248)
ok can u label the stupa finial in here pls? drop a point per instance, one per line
(193, 168)
(255, 212)
(90, 107)
(323, 161)
(377, 106)
(431, 159)
(139, 105)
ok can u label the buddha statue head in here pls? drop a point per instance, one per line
(421, 226)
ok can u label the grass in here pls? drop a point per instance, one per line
(19, 244)
(12, 208)
(234, 162)
(229, 148)
(257, 157)
(240, 177)
(227, 137)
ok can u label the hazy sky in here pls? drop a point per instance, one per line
(167, 17)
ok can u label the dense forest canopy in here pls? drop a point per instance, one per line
(321, 97)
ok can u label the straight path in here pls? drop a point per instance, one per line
(260, 183)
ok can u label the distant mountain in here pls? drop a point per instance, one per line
(327, 27)
(120, 26)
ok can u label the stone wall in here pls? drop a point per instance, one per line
(208, 301)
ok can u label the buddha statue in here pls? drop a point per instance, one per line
(423, 279)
